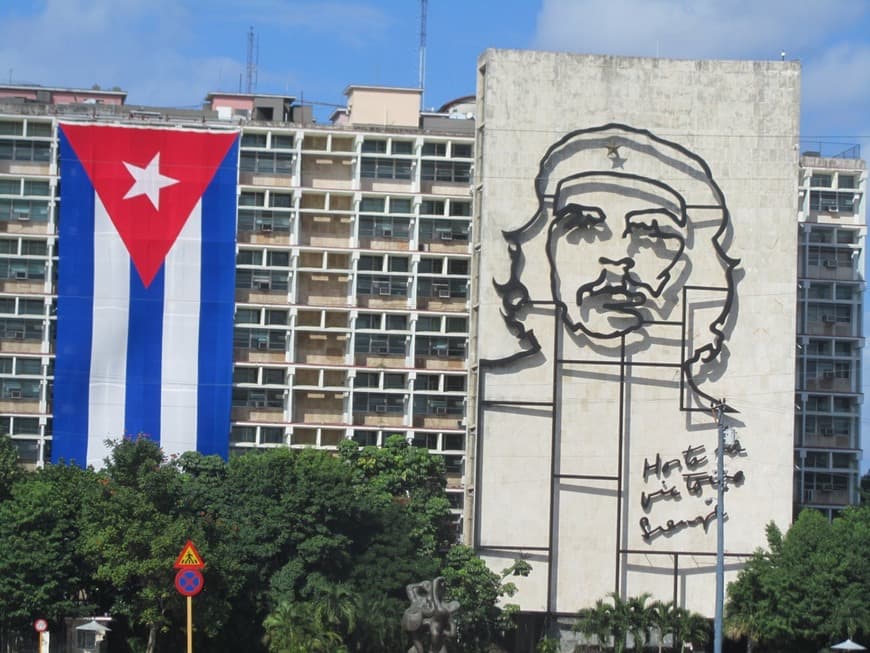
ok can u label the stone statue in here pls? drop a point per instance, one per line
(428, 610)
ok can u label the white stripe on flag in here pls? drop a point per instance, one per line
(180, 365)
(106, 396)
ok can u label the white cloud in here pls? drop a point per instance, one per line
(136, 44)
(690, 29)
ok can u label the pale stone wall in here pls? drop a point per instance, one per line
(698, 188)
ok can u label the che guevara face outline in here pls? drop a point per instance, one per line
(613, 242)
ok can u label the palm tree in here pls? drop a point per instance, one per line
(639, 619)
(335, 608)
(596, 622)
(620, 619)
(691, 628)
(663, 616)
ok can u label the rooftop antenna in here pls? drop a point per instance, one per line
(422, 70)
(252, 61)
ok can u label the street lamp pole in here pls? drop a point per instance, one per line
(720, 526)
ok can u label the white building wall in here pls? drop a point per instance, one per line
(563, 436)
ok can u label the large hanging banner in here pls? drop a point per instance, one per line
(145, 289)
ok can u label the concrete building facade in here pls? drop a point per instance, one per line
(352, 269)
(634, 259)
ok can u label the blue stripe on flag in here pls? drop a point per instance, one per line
(217, 306)
(144, 356)
(75, 309)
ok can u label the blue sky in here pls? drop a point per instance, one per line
(172, 52)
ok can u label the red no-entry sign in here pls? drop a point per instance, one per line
(189, 582)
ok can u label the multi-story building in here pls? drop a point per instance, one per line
(353, 276)
(831, 263)
(352, 267)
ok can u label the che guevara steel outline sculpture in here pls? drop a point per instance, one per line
(625, 302)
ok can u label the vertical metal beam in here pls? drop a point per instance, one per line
(619, 460)
(720, 527)
(554, 480)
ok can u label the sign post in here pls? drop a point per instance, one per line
(189, 582)
(41, 627)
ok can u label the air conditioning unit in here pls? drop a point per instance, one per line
(441, 353)
(386, 233)
(15, 394)
(384, 290)
(440, 410)
(830, 263)
(444, 293)
(258, 404)
(833, 209)
(264, 285)
(22, 217)
(829, 319)
(20, 274)
(827, 430)
(265, 228)
(18, 335)
(262, 344)
(827, 375)
(381, 408)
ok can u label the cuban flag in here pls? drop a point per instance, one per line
(146, 281)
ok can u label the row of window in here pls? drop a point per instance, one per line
(34, 129)
(24, 150)
(278, 376)
(364, 321)
(393, 205)
(398, 147)
(23, 210)
(18, 186)
(828, 404)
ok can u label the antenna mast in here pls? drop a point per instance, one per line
(422, 72)
(251, 67)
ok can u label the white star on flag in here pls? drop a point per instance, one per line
(148, 181)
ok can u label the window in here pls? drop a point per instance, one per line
(371, 168)
(276, 316)
(366, 438)
(253, 140)
(451, 171)
(457, 266)
(277, 163)
(271, 435)
(373, 204)
(11, 128)
(242, 434)
(429, 323)
(262, 280)
(846, 181)
(373, 146)
(429, 266)
(457, 325)
(10, 187)
(369, 262)
(32, 187)
(247, 316)
(245, 375)
(23, 210)
(454, 383)
(821, 180)
(366, 380)
(282, 141)
(249, 198)
(278, 259)
(273, 376)
(397, 322)
(398, 264)
(31, 306)
(384, 227)
(394, 380)
(379, 344)
(34, 247)
(28, 366)
(14, 150)
(374, 402)
(248, 257)
(281, 200)
(39, 129)
(460, 208)
(403, 147)
(434, 149)
(368, 321)
(462, 150)
(7, 305)
(443, 230)
(400, 205)
(432, 207)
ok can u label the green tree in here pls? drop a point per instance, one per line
(42, 571)
(597, 622)
(663, 617)
(135, 527)
(480, 620)
(10, 469)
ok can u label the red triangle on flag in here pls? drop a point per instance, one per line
(149, 180)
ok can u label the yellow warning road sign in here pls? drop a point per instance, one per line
(189, 558)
